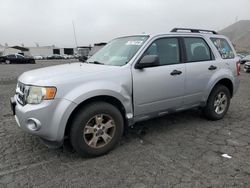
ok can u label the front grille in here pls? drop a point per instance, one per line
(20, 92)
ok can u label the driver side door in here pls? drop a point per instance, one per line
(159, 89)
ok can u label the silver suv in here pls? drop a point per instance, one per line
(131, 79)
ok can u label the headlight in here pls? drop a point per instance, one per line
(36, 94)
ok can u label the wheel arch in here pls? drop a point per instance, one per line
(223, 81)
(100, 98)
(228, 83)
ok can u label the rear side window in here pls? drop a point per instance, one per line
(223, 48)
(197, 49)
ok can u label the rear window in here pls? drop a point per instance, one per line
(223, 48)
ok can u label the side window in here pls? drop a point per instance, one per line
(167, 50)
(197, 49)
(11, 56)
(223, 48)
(19, 56)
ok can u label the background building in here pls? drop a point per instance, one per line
(83, 50)
(46, 51)
(43, 51)
(5, 50)
(96, 48)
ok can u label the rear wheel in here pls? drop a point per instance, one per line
(218, 103)
(96, 129)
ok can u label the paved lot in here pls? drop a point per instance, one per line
(179, 150)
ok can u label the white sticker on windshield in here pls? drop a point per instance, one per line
(134, 42)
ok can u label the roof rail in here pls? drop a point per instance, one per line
(194, 30)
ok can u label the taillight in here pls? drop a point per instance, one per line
(238, 68)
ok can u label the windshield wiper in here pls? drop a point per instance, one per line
(96, 62)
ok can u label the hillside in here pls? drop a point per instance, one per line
(239, 34)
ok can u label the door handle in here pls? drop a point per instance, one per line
(175, 72)
(212, 67)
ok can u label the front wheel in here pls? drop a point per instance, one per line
(96, 129)
(218, 103)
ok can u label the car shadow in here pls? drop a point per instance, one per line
(161, 124)
(167, 123)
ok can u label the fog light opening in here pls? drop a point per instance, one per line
(33, 124)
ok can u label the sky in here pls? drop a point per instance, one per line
(49, 22)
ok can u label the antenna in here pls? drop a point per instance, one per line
(74, 33)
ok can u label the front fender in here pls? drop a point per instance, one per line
(122, 92)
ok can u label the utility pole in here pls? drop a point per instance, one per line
(74, 33)
(75, 38)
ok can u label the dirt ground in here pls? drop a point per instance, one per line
(178, 150)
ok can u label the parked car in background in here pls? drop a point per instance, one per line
(38, 57)
(241, 56)
(68, 56)
(247, 67)
(82, 58)
(245, 59)
(17, 58)
(55, 56)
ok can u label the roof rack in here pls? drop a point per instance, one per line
(193, 30)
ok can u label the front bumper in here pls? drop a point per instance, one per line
(50, 117)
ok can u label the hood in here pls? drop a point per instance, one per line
(50, 76)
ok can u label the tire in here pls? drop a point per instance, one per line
(217, 106)
(7, 62)
(85, 135)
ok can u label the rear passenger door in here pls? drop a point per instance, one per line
(200, 66)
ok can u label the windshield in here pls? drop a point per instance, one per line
(119, 51)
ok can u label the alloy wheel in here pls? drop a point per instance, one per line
(99, 130)
(220, 103)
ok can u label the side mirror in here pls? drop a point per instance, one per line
(148, 61)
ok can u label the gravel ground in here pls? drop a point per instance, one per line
(178, 150)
